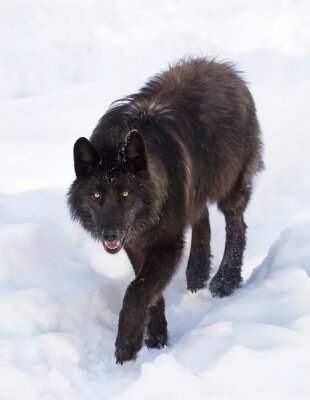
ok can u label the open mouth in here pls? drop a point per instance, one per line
(112, 247)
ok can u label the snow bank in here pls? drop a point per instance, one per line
(53, 45)
(59, 307)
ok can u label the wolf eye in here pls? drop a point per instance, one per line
(125, 193)
(96, 195)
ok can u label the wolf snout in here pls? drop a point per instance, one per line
(110, 235)
(112, 241)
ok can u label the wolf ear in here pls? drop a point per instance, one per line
(86, 157)
(134, 151)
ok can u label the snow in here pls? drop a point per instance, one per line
(62, 63)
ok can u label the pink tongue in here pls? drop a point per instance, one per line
(112, 245)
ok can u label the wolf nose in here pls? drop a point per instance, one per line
(110, 235)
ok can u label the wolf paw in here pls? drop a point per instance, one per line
(196, 280)
(127, 350)
(195, 284)
(222, 285)
(157, 341)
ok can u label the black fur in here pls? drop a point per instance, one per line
(188, 137)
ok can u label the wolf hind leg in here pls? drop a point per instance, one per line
(198, 266)
(228, 277)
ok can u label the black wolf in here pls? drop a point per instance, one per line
(156, 158)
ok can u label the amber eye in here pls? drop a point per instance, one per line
(96, 196)
(125, 194)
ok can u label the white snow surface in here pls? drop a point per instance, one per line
(61, 64)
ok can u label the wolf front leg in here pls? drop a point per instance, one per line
(143, 292)
(157, 335)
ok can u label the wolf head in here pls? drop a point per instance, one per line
(112, 194)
